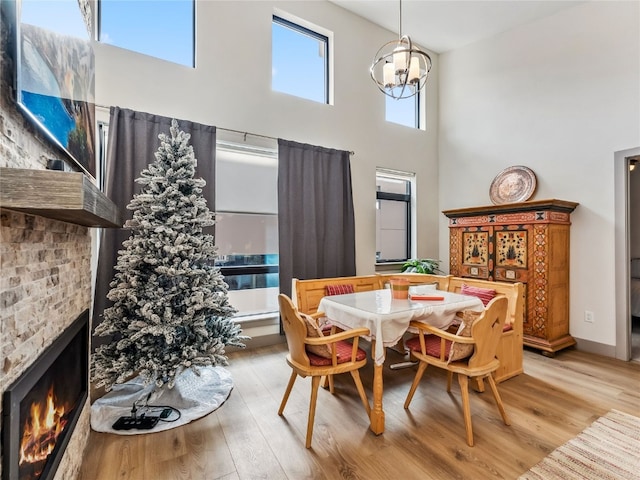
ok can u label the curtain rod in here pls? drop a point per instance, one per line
(351, 152)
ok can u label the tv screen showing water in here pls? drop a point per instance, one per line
(55, 76)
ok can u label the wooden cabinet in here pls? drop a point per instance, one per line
(524, 242)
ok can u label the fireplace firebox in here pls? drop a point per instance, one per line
(42, 407)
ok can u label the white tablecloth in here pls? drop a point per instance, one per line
(388, 319)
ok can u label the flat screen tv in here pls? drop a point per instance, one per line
(55, 75)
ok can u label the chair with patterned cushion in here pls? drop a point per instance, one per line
(312, 354)
(510, 345)
(471, 353)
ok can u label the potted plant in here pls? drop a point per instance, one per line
(421, 265)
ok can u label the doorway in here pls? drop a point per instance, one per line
(627, 246)
(634, 253)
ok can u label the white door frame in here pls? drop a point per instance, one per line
(622, 255)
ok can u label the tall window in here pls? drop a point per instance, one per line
(394, 216)
(300, 61)
(160, 28)
(246, 230)
(405, 111)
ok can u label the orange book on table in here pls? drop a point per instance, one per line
(426, 297)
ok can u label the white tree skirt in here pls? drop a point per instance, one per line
(193, 395)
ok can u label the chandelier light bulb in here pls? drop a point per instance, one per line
(414, 70)
(389, 75)
(400, 57)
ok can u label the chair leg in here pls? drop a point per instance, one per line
(328, 383)
(315, 383)
(292, 379)
(363, 396)
(496, 395)
(479, 385)
(449, 378)
(421, 368)
(463, 380)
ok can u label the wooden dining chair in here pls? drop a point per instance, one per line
(313, 354)
(480, 333)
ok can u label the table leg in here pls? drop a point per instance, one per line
(377, 414)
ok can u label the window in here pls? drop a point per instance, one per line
(246, 229)
(300, 61)
(404, 111)
(160, 28)
(394, 216)
(243, 241)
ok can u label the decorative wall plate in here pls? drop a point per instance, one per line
(512, 185)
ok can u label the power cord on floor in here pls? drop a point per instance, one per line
(145, 417)
(163, 412)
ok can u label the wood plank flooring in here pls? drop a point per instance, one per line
(550, 403)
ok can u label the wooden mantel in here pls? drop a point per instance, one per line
(65, 196)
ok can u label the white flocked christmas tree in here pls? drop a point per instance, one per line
(170, 305)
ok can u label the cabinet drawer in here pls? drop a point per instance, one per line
(473, 271)
(503, 274)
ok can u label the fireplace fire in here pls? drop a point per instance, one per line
(42, 407)
(40, 433)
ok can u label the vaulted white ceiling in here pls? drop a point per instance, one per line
(442, 25)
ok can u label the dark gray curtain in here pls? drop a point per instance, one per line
(315, 213)
(133, 140)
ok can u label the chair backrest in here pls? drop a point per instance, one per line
(513, 291)
(294, 329)
(486, 331)
(419, 279)
(308, 293)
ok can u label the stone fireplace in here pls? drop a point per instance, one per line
(45, 284)
(45, 280)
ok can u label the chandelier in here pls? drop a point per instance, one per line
(399, 68)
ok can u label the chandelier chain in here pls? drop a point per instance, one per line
(400, 22)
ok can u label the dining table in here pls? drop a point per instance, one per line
(388, 319)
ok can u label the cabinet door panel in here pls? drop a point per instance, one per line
(511, 248)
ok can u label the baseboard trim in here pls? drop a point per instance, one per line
(260, 341)
(596, 348)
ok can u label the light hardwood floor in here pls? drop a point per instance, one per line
(550, 403)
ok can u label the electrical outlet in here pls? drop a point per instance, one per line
(588, 316)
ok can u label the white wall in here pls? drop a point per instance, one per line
(560, 96)
(231, 88)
